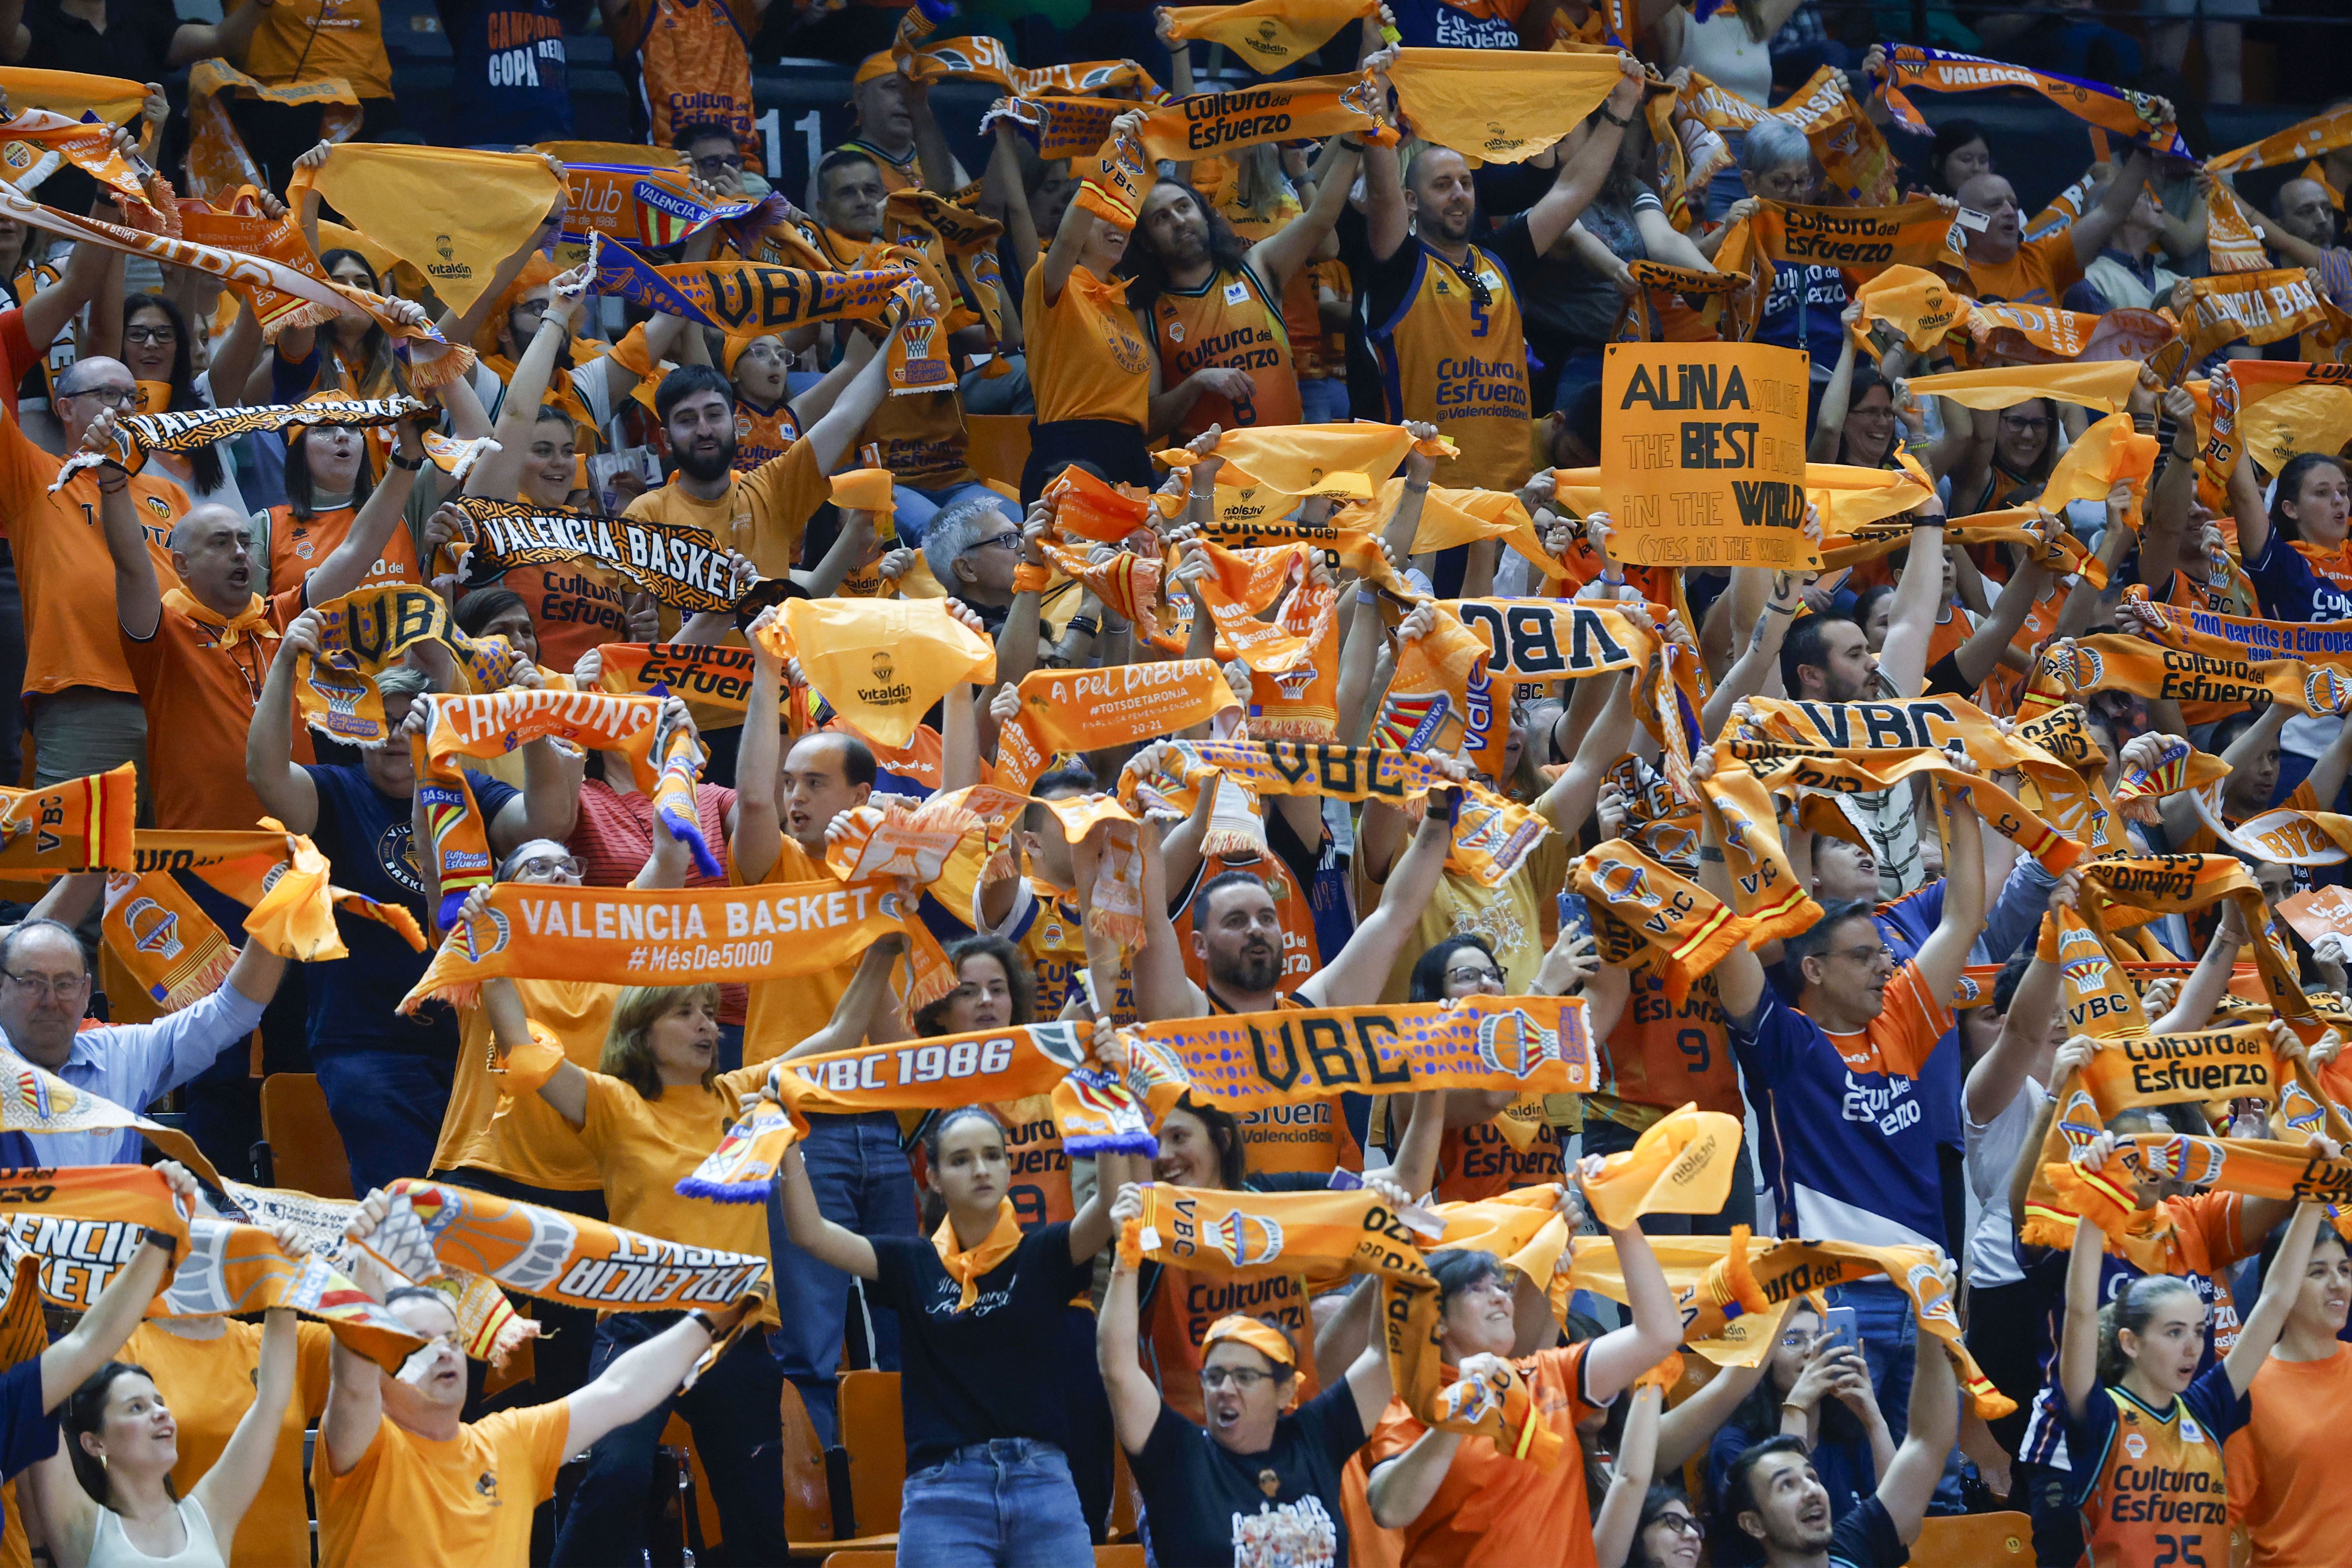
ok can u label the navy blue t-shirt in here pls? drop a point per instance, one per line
(28, 1433)
(1809, 296)
(354, 1000)
(507, 79)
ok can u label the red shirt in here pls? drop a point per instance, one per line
(615, 834)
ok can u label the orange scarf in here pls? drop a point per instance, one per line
(240, 225)
(1863, 240)
(1789, 766)
(2261, 307)
(1313, 459)
(1065, 710)
(361, 634)
(678, 562)
(1917, 303)
(1113, 191)
(2145, 669)
(2233, 237)
(79, 825)
(253, 621)
(2121, 111)
(2036, 334)
(2106, 385)
(966, 1269)
(711, 673)
(1555, 639)
(1683, 1165)
(1640, 909)
(2304, 139)
(1060, 128)
(1212, 122)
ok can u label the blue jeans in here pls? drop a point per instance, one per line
(916, 507)
(861, 1181)
(1324, 401)
(1003, 1504)
(738, 1434)
(388, 1107)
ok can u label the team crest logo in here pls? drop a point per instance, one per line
(441, 243)
(2192, 1160)
(19, 156)
(1967, 993)
(2089, 668)
(343, 703)
(1293, 683)
(1243, 1240)
(154, 929)
(485, 936)
(1175, 332)
(2135, 1444)
(2325, 691)
(1061, 1044)
(1622, 883)
(1515, 1043)
(1926, 1283)
(2303, 1114)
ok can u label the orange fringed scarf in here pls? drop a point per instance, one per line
(1641, 910)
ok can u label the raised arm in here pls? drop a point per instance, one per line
(641, 1378)
(2268, 1320)
(1619, 1515)
(108, 1324)
(1760, 661)
(757, 834)
(1134, 1401)
(2093, 228)
(384, 510)
(808, 1228)
(1277, 258)
(138, 596)
(1945, 953)
(1739, 976)
(2001, 1071)
(286, 790)
(228, 1488)
(1162, 989)
(1621, 1356)
(2078, 1335)
(1911, 620)
(1935, 1426)
(1356, 975)
(1581, 174)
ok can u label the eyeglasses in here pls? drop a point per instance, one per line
(720, 161)
(1007, 541)
(47, 984)
(543, 867)
(1472, 975)
(1241, 1377)
(151, 334)
(1797, 1340)
(120, 396)
(1682, 1524)
(2024, 426)
(1880, 953)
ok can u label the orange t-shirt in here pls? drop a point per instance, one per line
(297, 548)
(1491, 1508)
(529, 1141)
(924, 440)
(63, 569)
(312, 40)
(1664, 1056)
(2335, 565)
(209, 1386)
(467, 1498)
(200, 697)
(2286, 1462)
(2041, 271)
(762, 514)
(1478, 1163)
(1086, 360)
(694, 67)
(1228, 320)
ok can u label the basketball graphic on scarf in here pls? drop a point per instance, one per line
(1515, 1043)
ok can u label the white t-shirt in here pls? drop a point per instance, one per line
(1992, 1159)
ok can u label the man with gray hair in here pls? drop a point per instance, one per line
(974, 550)
(385, 1073)
(43, 994)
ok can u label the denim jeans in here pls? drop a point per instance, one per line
(388, 1107)
(861, 1181)
(916, 507)
(1003, 1504)
(738, 1434)
(1323, 401)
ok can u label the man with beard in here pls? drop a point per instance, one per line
(1220, 355)
(2305, 236)
(1773, 1497)
(760, 513)
(1441, 315)
(2004, 265)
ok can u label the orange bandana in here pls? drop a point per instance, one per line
(966, 1269)
(2106, 385)
(1266, 35)
(881, 662)
(1456, 99)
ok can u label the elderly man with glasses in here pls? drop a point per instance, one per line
(78, 683)
(44, 995)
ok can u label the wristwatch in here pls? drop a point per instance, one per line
(409, 465)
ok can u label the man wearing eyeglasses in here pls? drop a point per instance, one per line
(85, 704)
(1847, 1144)
(43, 994)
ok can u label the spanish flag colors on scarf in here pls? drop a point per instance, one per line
(1457, 99)
(79, 825)
(452, 214)
(1266, 35)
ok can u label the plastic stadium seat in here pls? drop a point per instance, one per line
(305, 1151)
(810, 1472)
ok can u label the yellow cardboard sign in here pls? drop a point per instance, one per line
(1703, 455)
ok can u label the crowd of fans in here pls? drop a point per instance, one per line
(1916, 1040)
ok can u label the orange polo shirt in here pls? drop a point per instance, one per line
(200, 691)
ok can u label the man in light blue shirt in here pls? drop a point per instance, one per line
(43, 994)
